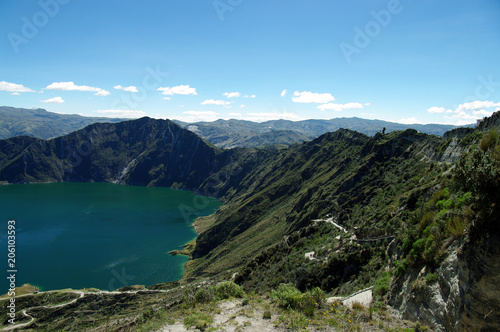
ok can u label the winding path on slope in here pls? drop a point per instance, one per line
(25, 313)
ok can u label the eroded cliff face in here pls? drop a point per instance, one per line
(453, 151)
(466, 296)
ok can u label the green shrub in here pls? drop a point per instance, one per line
(430, 247)
(479, 173)
(311, 299)
(464, 200)
(401, 267)
(489, 140)
(203, 295)
(199, 320)
(431, 278)
(457, 226)
(440, 195)
(382, 285)
(417, 249)
(227, 289)
(221, 291)
(445, 204)
(407, 243)
(287, 296)
(427, 219)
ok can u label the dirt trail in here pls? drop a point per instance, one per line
(25, 313)
(233, 316)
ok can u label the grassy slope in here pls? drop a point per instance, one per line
(337, 173)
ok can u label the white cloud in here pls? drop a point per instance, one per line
(466, 113)
(102, 93)
(121, 113)
(460, 118)
(126, 88)
(13, 87)
(55, 100)
(15, 93)
(339, 107)
(311, 97)
(167, 98)
(70, 86)
(241, 106)
(284, 92)
(232, 94)
(261, 117)
(237, 94)
(198, 116)
(216, 102)
(476, 105)
(482, 113)
(178, 90)
(412, 120)
(436, 109)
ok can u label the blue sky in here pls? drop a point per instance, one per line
(417, 61)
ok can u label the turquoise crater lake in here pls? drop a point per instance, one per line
(75, 235)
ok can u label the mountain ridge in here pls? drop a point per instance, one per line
(222, 133)
(241, 133)
(384, 192)
(38, 122)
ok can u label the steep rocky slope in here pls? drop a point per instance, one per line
(465, 297)
(141, 152)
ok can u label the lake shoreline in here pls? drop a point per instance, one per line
(104, 210)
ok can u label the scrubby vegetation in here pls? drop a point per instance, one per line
(285, 307)
(469, 199)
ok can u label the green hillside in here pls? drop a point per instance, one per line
(411, 214)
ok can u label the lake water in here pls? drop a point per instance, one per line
(97, 234)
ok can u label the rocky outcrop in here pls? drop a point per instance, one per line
(458, 133)
(490, 122)
(453, 151)
(466, 295)
(433, 304)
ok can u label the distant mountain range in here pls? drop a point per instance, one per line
(240, 133)
(40, 123)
